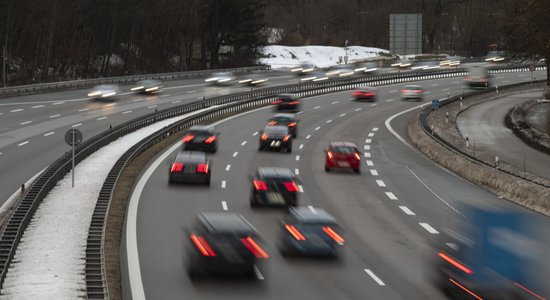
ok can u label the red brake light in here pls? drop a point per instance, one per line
(272, 123)
(335, 236)
(202, 168)
(264, 137)
(210, 140)
(404, 91)
(286, 138)
(292, 124)
(251, 244)
(203, 246)
(293, 102)
(291, 186)
(357, 156)
(330, 155)
(295, 233)
(277, 102)
(188, 138)
(455, 263)
(356, 93)
(260, 185)
(176, 167)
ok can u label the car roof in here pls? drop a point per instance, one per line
(287, 96)
(191, 156)
(276, 129)
(283, 115)
(311, 215)
(225, 222)
(201, 128)
(342, 144)
(275, 172)
(413, 86)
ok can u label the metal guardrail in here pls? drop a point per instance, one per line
(12, 231)
(86, 83)
(423, 119)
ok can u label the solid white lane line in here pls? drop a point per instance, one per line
(317, 107)
(370, 163)
(334, 102)
(76, 125)
(224, 205)
(308, 136)
(37, 106)
(317, 128)
(374, 277)
(371, 134)
(16, 110)
(54, 116)
(391, 196)
(25, 123)
(224, 183)
(258, 273)
(407, 210)
(255, 133)
(101, 118)
(367, 147)
(177, 101)
(301, 146)
(343, 115)
(22, 144)
(367, 154)
(83, 109)
(49, 133)
(297, 171)
(228, 167)
(152, 106)
(235, 154)
(243, 143)
(368, 141)
(375, 129)
(374, 172)
(297, 157)
(127, 112)
(380, 183)
(358, 109)
(429, 228)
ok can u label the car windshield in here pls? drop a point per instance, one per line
(344, 149)
(200, 132)
(275, 130)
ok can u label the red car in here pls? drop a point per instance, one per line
(343, 155)
(364, 93)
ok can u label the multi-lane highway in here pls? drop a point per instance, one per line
(391, 212)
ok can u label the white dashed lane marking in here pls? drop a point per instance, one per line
(308, 136)
(49, 133)
(23, 143)
(37, 106)
(367, 154)
(224, 183)
(16, 110)
(177, 101)
(367, 147)
(152, 106)
(389, 100)
(243, 143)
(407, 210)
(83, 109)
(374, 172)
(110, 104)
(137, 100)
(76, 125)
(317, 128)
(374, 104)
(297, 157)
(101, 118)
(255, 133)
(375, 129)
(334, 102)
(58, 103)
(343, 115)
(380, 183)
(368, 141)
(328, 121)
(374, 277)
(371, 134)
(224, 205)
(358, 109)
(54, 116)
(127, 112)
(25, 123)
(235, 154)
(429, 228)
(317, 107)
(228, 167)
(301, 146)
(370, 163)
(297, 171)
(391, 196)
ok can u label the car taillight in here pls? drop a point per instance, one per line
(294, 103)
(467, 78)
(188, 138)
(176, 167)
(264, 137)
(295, 232)
(405, 91)
(260, 185)
(418, 91)
(455, 263)
(291, 186)
(330, 155)
(286, 138)
(202, 168)
(292, 124)
(356, 93)
(277, 102)
(203, 246)
(357, 156)
(272, 123)
(335, 236)
(253, 247)
(210, 139)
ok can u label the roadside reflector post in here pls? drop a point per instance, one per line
(467, 142)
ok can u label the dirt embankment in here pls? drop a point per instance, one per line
(517, 121)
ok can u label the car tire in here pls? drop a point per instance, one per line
(289, 150)
(253, 203)
(207, 182)
(357, 171)
(261, 148)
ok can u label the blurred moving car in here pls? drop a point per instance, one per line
(340, 71)
(314, 76)
(190, 167)
(104, 92)
(221, 79)
(288, 102)
(342, 155)
(310, 231)
(283, 119)
(148, 87)
(478, 77)
(253, 79)
(303, 69)
(274, 186)
(276, 138)
(412, 91)
(223, 243)
(365, 93)
(202, 138)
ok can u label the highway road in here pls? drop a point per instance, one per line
(484, 125)
(32, 127)
(391, 212)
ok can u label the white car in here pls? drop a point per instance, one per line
(104, 92)
(148, 87)
(412, 91)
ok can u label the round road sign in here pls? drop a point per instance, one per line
(531, 68)
(73, 137)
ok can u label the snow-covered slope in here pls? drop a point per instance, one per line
(320, 56)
